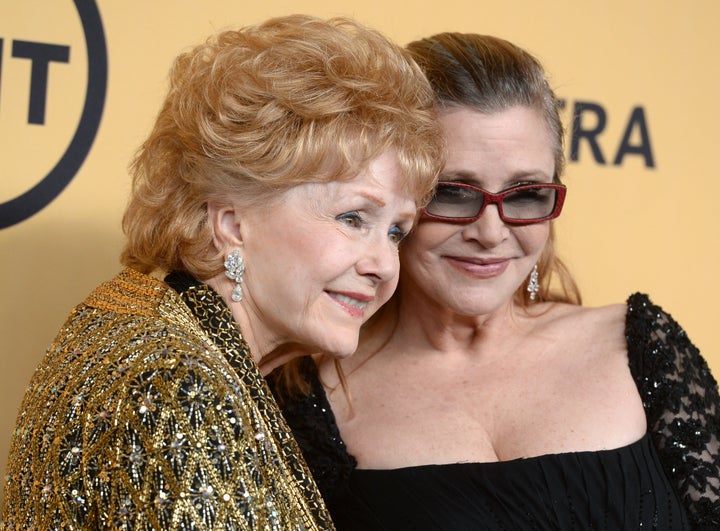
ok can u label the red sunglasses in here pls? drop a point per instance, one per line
(520, 205)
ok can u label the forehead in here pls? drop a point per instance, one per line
(381, 181)
(506, 143)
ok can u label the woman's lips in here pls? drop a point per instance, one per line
(478, 268)
(352, 303)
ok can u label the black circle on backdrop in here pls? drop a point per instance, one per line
(38, 197)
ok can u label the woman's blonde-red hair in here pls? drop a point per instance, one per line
(253, 112)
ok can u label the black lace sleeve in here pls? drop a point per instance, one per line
(682, 406)
(313, 425)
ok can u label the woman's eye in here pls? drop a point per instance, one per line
(351, 219)
(532, 195)
(396, 234)
(453, 194)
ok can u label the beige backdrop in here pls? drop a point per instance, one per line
(626, 226)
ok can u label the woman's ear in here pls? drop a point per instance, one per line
(224, 220)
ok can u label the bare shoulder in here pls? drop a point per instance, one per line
(588, 318)
(599, 329)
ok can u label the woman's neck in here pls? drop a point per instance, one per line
(428, 325)
(269, 351)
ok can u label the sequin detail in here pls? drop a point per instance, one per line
(682, 407)
(146, 414)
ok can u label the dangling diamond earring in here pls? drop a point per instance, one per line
(234, 269)
(533, 285)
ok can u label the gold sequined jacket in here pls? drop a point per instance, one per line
(148, 412)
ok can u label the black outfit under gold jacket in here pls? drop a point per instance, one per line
(148, 412)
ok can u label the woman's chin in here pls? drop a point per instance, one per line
(341, 349)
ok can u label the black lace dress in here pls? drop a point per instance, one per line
(669, 479)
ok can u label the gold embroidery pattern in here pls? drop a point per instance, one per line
(144, 415)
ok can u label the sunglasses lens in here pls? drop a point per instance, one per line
(452, 201)
(530, 203)
(524, 204)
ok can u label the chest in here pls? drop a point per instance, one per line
(422, 412)
(624, 488)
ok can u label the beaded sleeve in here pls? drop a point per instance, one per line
(682, 406)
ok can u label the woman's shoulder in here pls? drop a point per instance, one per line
(584, 319)
(653, 343)
(588, 335)
(111, 341)
(654, 336)
(644, 317)
(657, 343)
(129, 292)
(637, 309)
(638, 320)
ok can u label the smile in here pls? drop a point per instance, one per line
(354, 305)
(349, 300)
(478, 268)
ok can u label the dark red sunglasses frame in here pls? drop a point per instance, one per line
(496, 199)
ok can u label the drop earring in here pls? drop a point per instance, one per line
(533, 285)
(234, 269)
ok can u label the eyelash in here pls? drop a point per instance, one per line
(397, 235)
(356, 221)
(513, 185)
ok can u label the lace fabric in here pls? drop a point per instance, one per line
(679, 394)
(682, 406)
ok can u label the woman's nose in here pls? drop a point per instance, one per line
(489, 229)
(381, 259)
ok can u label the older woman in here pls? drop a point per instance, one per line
(480, 398)
(285, 166)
